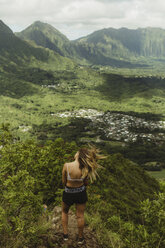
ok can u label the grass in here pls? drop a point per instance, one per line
(25, 102)
(159, 175)
(37, 108)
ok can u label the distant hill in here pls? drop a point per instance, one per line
(109, 46)
(127, 42)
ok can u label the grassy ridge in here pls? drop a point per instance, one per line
(30, 175)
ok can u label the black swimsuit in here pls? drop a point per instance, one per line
(74, 195)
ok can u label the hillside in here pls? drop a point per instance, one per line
(4, 28)
(107, 46)
(30, 176)
(39, 93)
(15, 50)
(125, 42)
(21, 62)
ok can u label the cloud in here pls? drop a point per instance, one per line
(113, 1)
(76, 18)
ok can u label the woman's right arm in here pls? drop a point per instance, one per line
(64, 175)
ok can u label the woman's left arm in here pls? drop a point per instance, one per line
(64, 176)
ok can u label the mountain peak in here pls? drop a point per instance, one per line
(45, 35)
(45, 28)
(4, 28)
(39, 24)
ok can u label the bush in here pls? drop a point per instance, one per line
(30, 175)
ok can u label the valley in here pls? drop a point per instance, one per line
(57, 95)
(50, 91)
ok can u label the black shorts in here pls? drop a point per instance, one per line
(70, 198)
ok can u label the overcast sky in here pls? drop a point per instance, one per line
(76, 18)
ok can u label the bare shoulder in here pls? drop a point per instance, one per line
(66, 165)
(69, 164)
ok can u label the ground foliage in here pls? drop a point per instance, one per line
(30, 175)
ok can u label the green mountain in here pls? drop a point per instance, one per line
(22, 66)
(14, 49)
(115, 47)
(126, 42)
(46, 36)
(17, 51)
(118, 47)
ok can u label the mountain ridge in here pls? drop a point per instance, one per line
(81, 37)
(108, 46)
(4, 28)
(135, 40)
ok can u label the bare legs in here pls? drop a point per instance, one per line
(80, 208)
(65, 209)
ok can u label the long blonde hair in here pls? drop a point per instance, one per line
(88, 158)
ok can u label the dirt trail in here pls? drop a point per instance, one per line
(90, 237)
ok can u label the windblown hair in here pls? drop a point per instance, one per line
(88, 158)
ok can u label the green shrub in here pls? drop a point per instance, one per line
(30, 175)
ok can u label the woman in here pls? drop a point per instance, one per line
(75, 178)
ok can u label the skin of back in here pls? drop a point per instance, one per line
(74, 172)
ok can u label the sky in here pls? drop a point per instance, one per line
(77, 18)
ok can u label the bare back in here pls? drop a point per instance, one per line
(73, 174)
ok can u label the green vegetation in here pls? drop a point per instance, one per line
(26, 94)
(126, 234)
(121, 48)
(125, 208)
(37, 83)
(160, 175)
(30, 175)
(124, 43)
